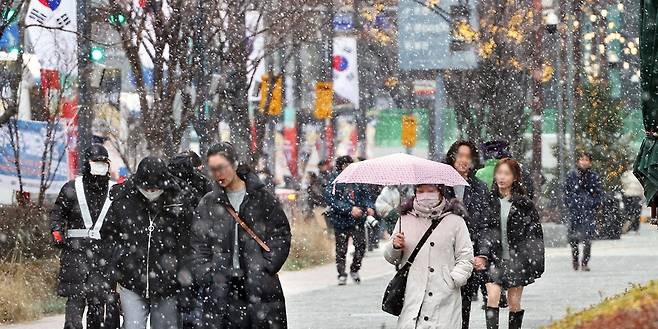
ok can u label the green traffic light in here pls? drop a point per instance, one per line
(8, 14)
(97, 54)
(117, 19)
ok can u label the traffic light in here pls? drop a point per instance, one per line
(97, 54)
(117, 19)
(324, 94)
(409, 125)
(275, 107)
(8, 15)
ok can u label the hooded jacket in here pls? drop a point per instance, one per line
(147, 236)
(443, 265)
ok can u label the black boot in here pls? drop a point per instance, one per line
(516, 319)
(503, 300)
(493, 316)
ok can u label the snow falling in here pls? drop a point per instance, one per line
(327, 164)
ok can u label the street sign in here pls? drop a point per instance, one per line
(437, 36)
(343, 21)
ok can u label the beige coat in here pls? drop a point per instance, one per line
(443, 265)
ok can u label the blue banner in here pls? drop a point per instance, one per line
(32, 140)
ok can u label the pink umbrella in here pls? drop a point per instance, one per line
(400, 169)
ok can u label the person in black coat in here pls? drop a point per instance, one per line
(464, 157)
(513, 243)
(145, 228)
(237, 272)
(583, 194)
(84, 274)
(186, 170)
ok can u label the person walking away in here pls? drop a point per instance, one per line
(464, 157)
(441, 267)
(76, 219)
(583, 195)
(184, 167)
(240, 240)
(348, 219)
(146, 227)
(633, 198)
(513, 243)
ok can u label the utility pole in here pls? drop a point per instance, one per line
(537, 99)
(571, 76)
(326, 76)
(364, 97)
(85, 97)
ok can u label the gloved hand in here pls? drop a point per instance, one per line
(58, 238)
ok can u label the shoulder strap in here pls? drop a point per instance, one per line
(82, 203)
(246, 228)
(426, 236)
(94, 229)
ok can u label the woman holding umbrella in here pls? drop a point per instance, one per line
(513, 244)
(441, 266)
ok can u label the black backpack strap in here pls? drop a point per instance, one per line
(426, 236)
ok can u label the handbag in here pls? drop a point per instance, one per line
(394, 295)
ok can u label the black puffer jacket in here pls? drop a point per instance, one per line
(212, 246)
(83, 266)
(477, 204)
(146, 265)
(524, 234)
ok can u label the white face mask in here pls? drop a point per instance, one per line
(430, 199)
(151, 195)
(98, 168)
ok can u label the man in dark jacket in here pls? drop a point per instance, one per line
(77, 217)
(583, 193)
(186, 170)
(464, 157)
(347, 212)
(145, 226)
(237, 264)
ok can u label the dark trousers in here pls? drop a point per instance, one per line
(99, 314)
(575, 252)
(468, 291)
(358, 235)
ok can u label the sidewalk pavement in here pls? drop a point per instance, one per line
(314, 300)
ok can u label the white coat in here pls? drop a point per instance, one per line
(443, 265)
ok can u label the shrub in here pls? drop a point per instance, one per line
(310, 246)
(27, 290)
(637, 308)
(24, 233)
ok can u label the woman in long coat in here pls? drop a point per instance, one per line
(513, 244)
(443, 265)
(238, 275)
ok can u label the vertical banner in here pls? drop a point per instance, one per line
(346, 74)
(51, 26)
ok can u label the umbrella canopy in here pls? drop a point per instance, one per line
(400, 169)
(646, 164)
